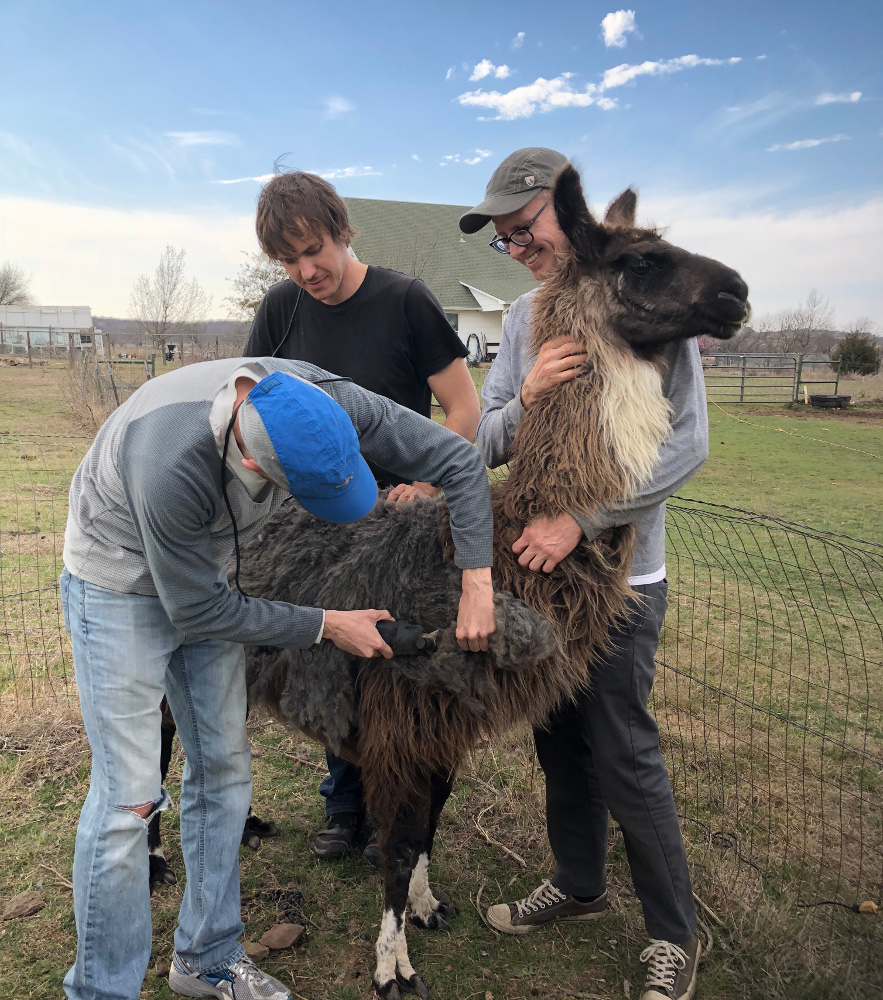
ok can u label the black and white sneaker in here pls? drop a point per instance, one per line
(242, 980)
(671, 974)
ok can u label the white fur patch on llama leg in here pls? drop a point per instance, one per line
(420, 898)
(386, 948)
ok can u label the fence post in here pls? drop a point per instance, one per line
(153, 365)
(742, 382)
(837, 375)
(113, 384)
(30, 356)
(798, 374)
(2, 345)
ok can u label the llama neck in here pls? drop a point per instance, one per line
(590, 443)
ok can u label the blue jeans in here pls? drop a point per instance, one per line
(127, 654)
(342, 789)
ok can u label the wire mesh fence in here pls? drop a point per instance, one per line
(769, 694)
(770, 700)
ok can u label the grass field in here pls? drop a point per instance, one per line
(794, 674)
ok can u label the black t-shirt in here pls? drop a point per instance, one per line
(390, 336)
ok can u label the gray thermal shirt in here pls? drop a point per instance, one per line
(680, 457)
(147, 514)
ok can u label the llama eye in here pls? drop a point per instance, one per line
(640, 267)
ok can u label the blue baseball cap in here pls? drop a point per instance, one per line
(305, 441)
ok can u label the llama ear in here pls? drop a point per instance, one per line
(577, 223)
(620, 212)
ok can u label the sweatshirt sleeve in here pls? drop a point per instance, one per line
(415, 447)
(501, 393)
(173, 507)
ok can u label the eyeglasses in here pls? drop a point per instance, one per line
(521, 237)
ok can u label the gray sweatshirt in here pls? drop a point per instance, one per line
(680, 458)
(147, 514)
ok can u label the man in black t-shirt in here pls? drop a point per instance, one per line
(384, 330)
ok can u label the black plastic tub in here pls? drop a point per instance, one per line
(830, 402)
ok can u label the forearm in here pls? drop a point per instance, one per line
(463, 421)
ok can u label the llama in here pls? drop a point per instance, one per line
(622, 293)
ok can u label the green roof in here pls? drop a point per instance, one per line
(425, 240)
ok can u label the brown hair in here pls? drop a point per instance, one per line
(299, 205)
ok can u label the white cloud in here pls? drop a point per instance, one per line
(546, 95)
(760, 57)
(486, 68)
(203, 138)
(829, 98)
(805, 143)
(260, 179)
(449, 73)
(616, 26)
(336, 107)
(414, 156)
(336, 173)
(625, 73)
(517, 41)
(477, 157)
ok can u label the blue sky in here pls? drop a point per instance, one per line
(753, 130)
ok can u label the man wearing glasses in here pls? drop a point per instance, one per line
(601, 754)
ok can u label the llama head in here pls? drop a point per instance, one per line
(655, 292)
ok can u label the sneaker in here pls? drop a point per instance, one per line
(542, 906)
(243, 980)
(338, 836)
(372, 850)
(672, 971)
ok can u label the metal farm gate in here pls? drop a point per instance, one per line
(767, 378)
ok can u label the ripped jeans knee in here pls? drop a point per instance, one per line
(148, 810)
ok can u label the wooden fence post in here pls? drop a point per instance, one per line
(30, 356)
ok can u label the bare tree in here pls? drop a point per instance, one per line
(165, 305)
(799, 328)
(14, 285)
(256, 274)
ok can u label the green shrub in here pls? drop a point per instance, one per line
(858, 353)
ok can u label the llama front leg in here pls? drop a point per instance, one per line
(160, 873)
(401, 848)
(427, 909)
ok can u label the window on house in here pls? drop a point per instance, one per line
(453, 319)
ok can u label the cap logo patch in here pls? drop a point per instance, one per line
(346, 482)
(530, 180)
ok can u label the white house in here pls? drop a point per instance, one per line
(475, 284)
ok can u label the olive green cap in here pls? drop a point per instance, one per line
(514, 183)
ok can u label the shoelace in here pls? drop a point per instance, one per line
(666, 959)
(252, 976)
(544, 896)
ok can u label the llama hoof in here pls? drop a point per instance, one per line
(435, 921)
(160, 873)
(261, 828)
(251, 840)
(415, 984)
(389, 991)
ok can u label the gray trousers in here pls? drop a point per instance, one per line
(602, 755)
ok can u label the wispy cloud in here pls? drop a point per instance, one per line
(486, 68)
(449, 73)
(337, 107)
(260, 179)
(829, 98)
(141, 155)
(760, 57)
(477, 157)
(616, 26)
(18, 147)
(805, 143)
(337, 173)
(547, 95)
(414, 156)
(203, 138)
(517, 41)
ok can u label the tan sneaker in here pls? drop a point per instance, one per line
(672, 971)
(544, 905)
